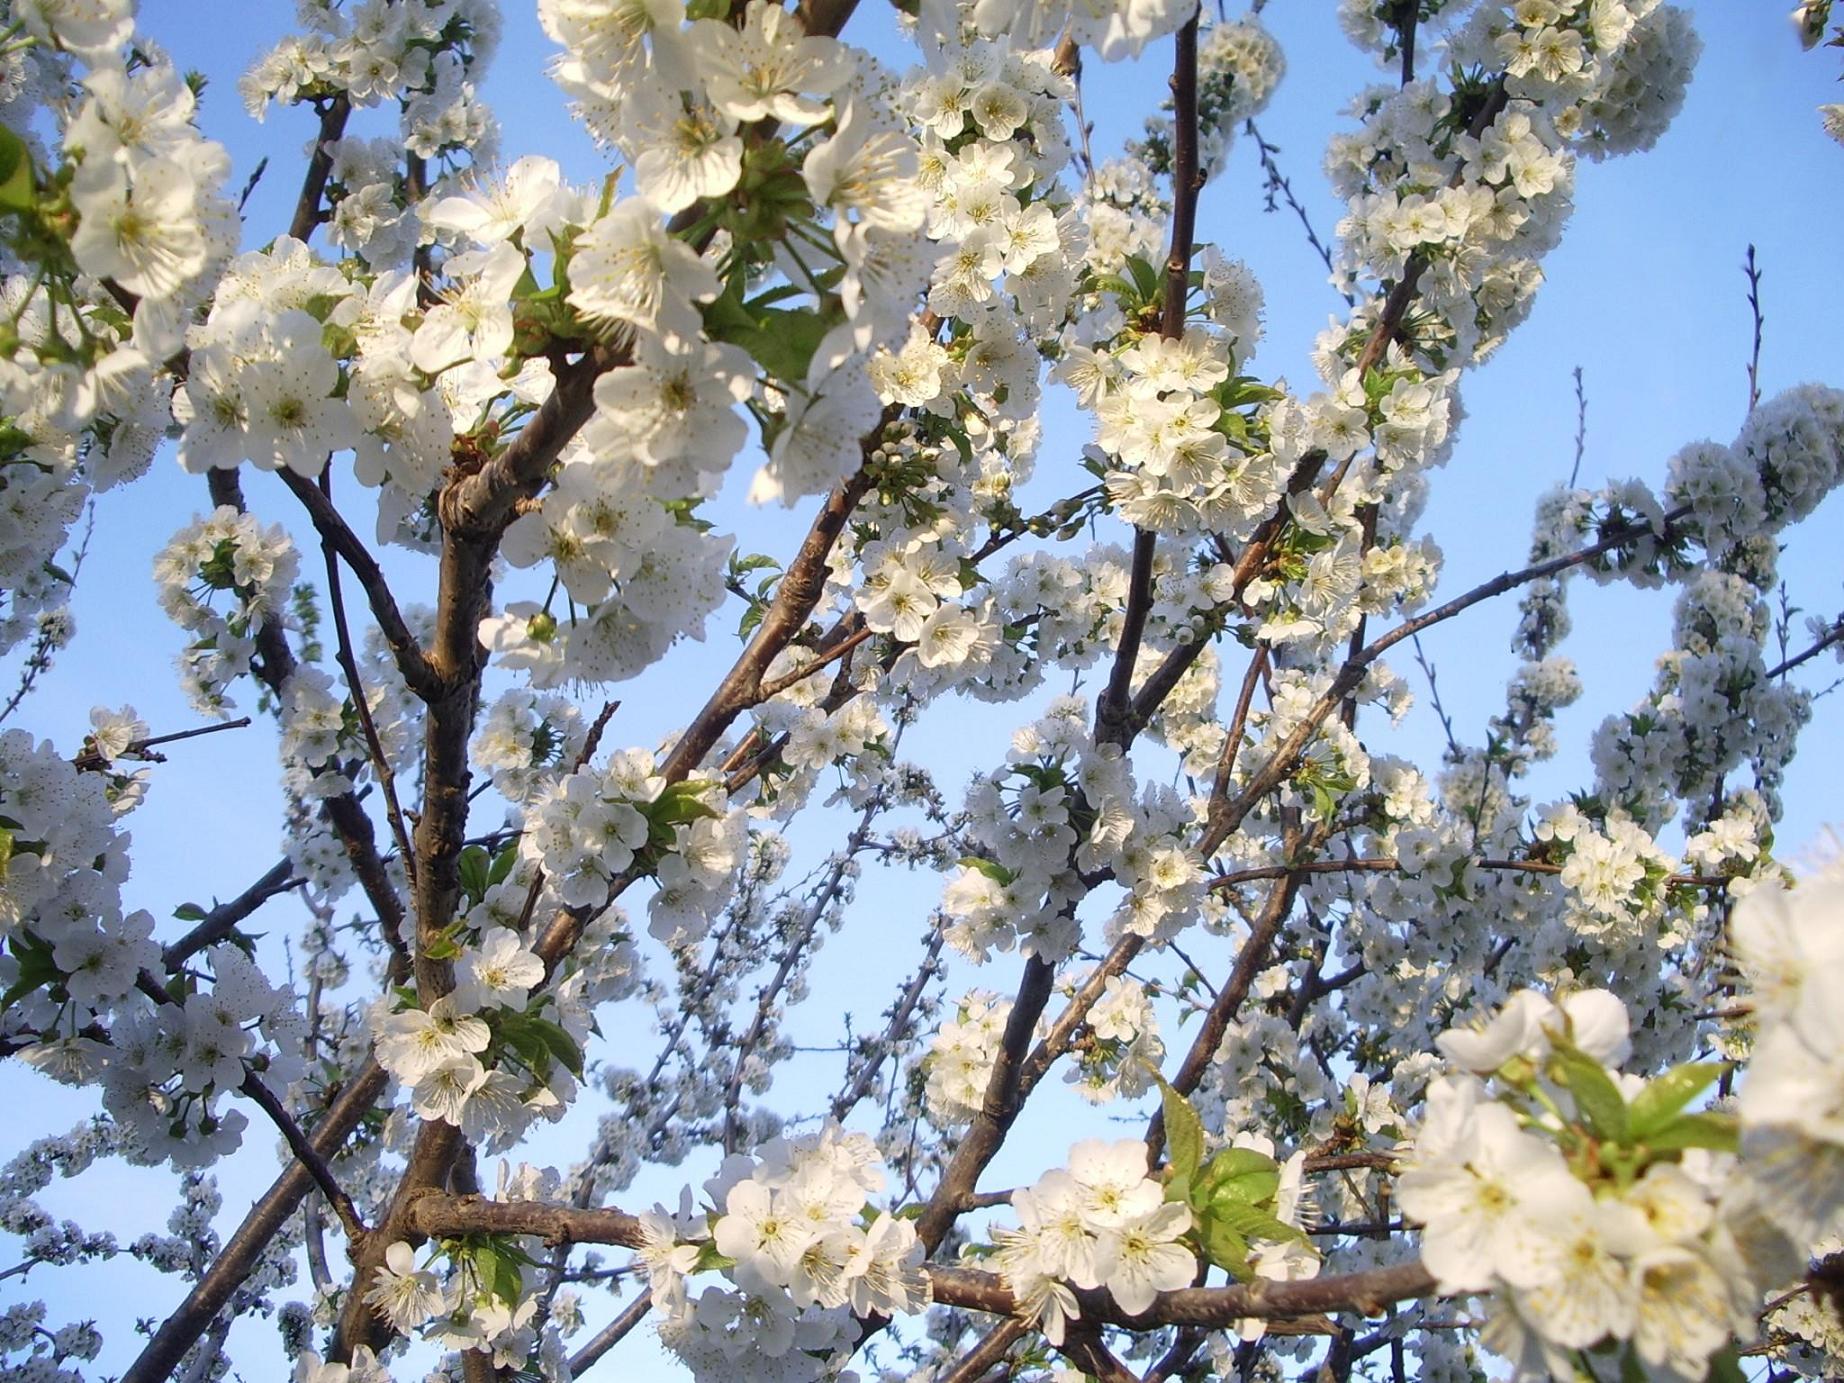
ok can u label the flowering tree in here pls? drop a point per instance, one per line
(1456, 1069)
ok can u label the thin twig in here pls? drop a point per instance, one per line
(349, 664)
(1581, 427)
(1825, 640)
(1278, 186)
(90, 760)
(1753, 271)
(217, 924)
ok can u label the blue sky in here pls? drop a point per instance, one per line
(1646, 295)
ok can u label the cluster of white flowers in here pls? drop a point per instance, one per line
(253, 568)
(1101, 1223)
(479, 1057)
(1064, 799)
(645, 577)
(589, 827)
(1583, 1199)
(1238, 67)
(525, 740)
(426, 59)
(1125, 1052)
(961, 1056)
(794, 1233)
(1114, 28)
(1600, 1208)
(76, 964)
(1789, 944)
(134, 192)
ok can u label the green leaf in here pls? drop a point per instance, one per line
(1145, 278)
(498, 1270)
(780, 340)
(1250, 1223)
(446, 944)
(559, 1044)
(18, 192)
(474, 866)
(1726, 1367)
(993, 870)
(517, 1031)
(1225, 1248)
(1184, 1133)
(1115, 284)
(683, 802)
(1239, 1174)
(36, 968)
(189, 912)
(1664, 1097)
(502, 864)
(1716, 1131)
(1596, 1096)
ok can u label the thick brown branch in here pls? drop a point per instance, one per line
(1082, 1346)
(788, 613)
(975, 1364)
(1000, 1106)
(333, 116)
(1250, 962)
(1215, 1307)
(265, 1220)
(436, 1215)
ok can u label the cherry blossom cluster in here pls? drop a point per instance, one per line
(1101, 1223)
(82, 1002)
(129, 196)
(231, 558)
(1601, 1209)
(427, 61)
(466, 1295)
(1507, 1194)
(1062, 799)
(1787, 944)
(1239, 65)
(78, 999)
(793, 1230)
(961, 1055)
(644, 578)
(1114, 30)
(595, 824)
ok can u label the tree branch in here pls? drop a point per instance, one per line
(436, 1215)
(265, 1220)
(307, 1155)
(336, 535)
(349, 664)
(223, 919)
